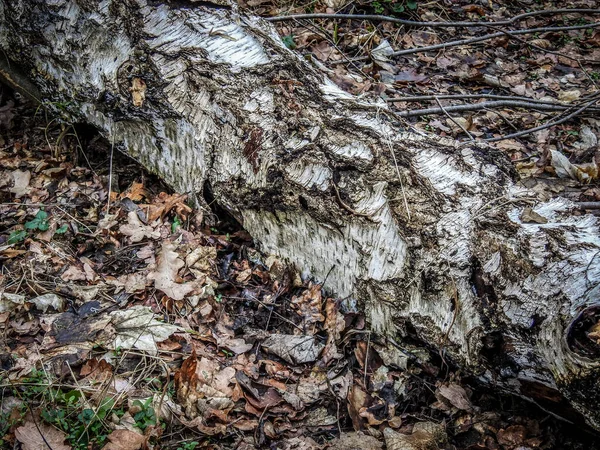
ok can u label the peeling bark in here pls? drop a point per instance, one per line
(423, 233)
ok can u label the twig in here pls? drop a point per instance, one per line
(506, 121)
(588, 205)
(485, 105)
(110, 164)
(335, 46)
(545, 50)
(421, 98)
(391, 149)
(453, 120)
(546, 125)
(367, 359)
(473, 40)
(414, 23)
(251, 297)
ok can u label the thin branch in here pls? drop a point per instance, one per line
(546, 125)
(506, 121)
(454, 120)
(588, 205)
(414, 23)
(420, 98)
(473, 40)
(545, 50)
(484, 105)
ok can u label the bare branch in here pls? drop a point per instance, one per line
(421, 98)
(485, 37)
(413, 23)
(454, 120)
(546, 125)
(492, 104)
(588, 205)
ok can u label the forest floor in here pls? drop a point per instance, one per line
(130, 320)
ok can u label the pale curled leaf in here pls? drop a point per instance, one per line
(137, 327)
(562, 166)
(294, 349)
(50, 300)
(8, 302)
(564, 169)
(20, 182)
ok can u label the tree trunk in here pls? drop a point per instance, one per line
(427, 235)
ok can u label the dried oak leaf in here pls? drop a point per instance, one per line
(40, 436)
(456, 395)
(125, 440)
(136, 230)
(165, 275)
(425, 436)
(308, 306)
(164, 203)
(204, 388)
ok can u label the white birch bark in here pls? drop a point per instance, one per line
(425, 234)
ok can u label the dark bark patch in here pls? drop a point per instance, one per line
(484, 291)
(583, 336)
(252, 148)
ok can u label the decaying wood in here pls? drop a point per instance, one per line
(428, 236)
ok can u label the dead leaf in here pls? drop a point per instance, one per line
(125, 440)
(166, 274)
(136, 327)
(21, 181)
(569, 96)
(456, 395)
(74, 273)
(293, 349)
(136, 230)
(512, 436)
(45, 301)
(39, 436)
(562, 166)
(530, 216)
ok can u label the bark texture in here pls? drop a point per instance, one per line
(428, 236)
